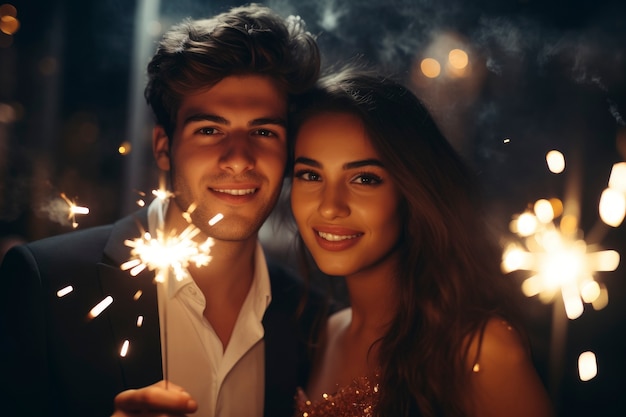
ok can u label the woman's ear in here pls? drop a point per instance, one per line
(161, 148)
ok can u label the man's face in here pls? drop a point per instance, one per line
(227, 155)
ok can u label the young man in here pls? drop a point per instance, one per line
(236, 332)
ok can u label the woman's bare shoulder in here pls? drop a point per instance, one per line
(504, 380)
(499, 343)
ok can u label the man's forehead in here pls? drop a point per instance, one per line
(241, 92)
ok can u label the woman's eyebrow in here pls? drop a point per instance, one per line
(307, 161)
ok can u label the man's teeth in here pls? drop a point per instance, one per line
(235, 192)
(335, 238)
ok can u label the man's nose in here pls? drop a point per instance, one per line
(238, 154)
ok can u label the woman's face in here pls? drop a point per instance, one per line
(343, 199)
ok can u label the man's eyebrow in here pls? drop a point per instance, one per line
(347, 165)
(205, 117)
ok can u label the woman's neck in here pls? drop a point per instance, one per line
(372, 295)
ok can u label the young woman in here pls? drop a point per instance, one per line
(381, 198)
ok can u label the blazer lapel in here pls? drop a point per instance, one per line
(133, 314)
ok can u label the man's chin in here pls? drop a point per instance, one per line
(231, 230)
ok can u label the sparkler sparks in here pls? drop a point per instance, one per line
(100, 307)
(74, 210)
(563, 262)
(169, 255)
(613, 200)
(65, 291)
(162, 193)
(163, 253)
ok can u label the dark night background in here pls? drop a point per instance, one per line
(543, 74)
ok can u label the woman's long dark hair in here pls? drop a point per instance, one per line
(448, 282)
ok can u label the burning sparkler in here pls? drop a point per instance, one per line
(551, 245)
(169, 255)
(163, 254)
(74, 210)
(563, 262)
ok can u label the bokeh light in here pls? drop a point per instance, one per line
(556, 161)
(430, 67)
(587, 366)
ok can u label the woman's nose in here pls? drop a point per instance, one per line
(333, 202)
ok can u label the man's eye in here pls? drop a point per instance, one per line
(207, 131)
(264, 132)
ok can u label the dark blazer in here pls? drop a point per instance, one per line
(55, 361)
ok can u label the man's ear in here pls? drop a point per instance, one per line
(161, 148)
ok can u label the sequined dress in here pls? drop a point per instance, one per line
(355, 400)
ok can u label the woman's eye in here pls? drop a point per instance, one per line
(367, 179)
(307, 176)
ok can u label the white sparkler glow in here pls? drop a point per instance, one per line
(163, 253)
(65, 291)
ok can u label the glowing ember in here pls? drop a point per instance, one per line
(215, 219)
(100, 307)
(65, 291)
(124, 349)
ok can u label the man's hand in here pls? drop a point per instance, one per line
(154, 401)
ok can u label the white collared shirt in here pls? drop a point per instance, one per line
(225, 382)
